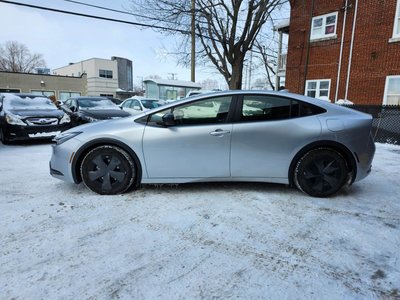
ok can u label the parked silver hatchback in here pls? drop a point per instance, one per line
(226, 136)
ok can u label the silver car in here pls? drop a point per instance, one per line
(136, 105)
(260, 136)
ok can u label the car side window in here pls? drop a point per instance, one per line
(127, 103)
(208, 111)
(269, 107)
(136, 103)
(261, 108)
(303, 109)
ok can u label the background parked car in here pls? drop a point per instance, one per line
(27, 116)
(90, 109)
(137, 105)
(116, 100)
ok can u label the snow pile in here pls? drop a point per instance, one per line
(221, 240)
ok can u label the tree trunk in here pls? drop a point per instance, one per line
(235, 83)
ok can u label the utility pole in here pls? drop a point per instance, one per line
(250, 69)
(193, 36)
(173, 75)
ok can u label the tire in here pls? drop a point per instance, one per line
(108, 170)
(321, 172)
(3, 139)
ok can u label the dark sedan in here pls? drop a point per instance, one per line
(27, 116)
(90, 109)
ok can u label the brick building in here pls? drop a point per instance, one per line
(345, 49)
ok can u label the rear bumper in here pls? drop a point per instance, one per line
(365, 158)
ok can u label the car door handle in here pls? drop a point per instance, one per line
(219, 132)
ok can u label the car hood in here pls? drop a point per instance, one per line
(106, 129)
(103, 114)
(37, 113)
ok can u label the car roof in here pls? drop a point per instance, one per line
(95, 98)
(140, 98)
(9, 96)
(321, 103)
(27, 95)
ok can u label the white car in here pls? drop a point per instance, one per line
(137, 105)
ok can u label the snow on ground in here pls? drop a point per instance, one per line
(221, 240)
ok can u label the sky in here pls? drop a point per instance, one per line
(62, 38)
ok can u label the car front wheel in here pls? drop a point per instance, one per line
(108, 170)
(3, 137)
(321, 172)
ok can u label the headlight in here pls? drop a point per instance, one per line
(65, 119)
(88, 119)
(65, 136)
(14, 120)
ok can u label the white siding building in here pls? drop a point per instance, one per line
(102, 75)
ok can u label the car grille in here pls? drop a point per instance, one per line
(41, 121)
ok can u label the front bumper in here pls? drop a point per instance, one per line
(61, 160)
(18, 132)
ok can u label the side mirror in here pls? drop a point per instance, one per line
(168, 119)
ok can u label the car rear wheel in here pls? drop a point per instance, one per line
(321, 172)
(108, 170)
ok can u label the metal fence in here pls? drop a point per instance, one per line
(386, 123)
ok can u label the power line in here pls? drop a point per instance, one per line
(116, 10)
(96, 17)
(186, 32)
(141, 16)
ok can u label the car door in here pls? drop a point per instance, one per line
(269, 131)
(197, 146)
(136, 106)
(126, 106)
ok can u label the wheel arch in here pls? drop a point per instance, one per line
(80, 154)
(342, 149)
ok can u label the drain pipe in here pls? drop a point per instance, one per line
(308, 48)
(351, 50)
(341, 51)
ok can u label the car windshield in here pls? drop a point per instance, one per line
(96, 104)
(17, 103)
(150, 104)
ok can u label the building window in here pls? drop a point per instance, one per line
(324, 26)
(44, 93)
(318, 88)
(4, 90)
(65, 95)
(392, 91)
(396, 29)
(105, 73)
(107, 95)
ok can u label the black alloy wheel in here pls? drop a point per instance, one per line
(321, 172)
(108, 170)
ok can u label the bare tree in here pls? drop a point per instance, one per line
(226, 30)
(269, 62)
(16, 57)
(209, 84)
